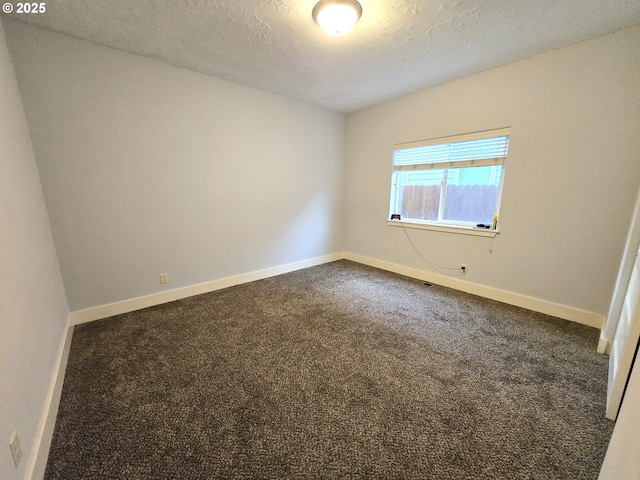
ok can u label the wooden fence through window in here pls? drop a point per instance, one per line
(463, 203)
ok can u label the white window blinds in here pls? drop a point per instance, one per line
(474, 149)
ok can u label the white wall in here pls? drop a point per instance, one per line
(33, 308)
(148, 168)
(572, 174)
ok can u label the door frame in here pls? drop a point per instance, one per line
(608, 332)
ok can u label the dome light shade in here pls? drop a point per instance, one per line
(337, 17)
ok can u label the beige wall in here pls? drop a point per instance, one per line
(572, 173)
(149, 168)
(33, 308)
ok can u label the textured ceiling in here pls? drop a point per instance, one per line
(397, 47)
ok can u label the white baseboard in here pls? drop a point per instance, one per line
(565, 312)
(604, 346)
(40, 453)
(125, 306)
(537, 305)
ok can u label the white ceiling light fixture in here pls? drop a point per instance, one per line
(337, 17)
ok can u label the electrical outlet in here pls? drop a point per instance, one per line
(164, 278)
(16, 449)
(463, 269)
(328, 247)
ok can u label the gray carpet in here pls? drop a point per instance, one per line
(336, 371)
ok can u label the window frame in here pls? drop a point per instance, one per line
(450, 226)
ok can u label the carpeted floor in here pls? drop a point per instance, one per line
(336, 371)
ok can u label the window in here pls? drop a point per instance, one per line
(453, 181)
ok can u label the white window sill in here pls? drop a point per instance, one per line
(459, 229)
